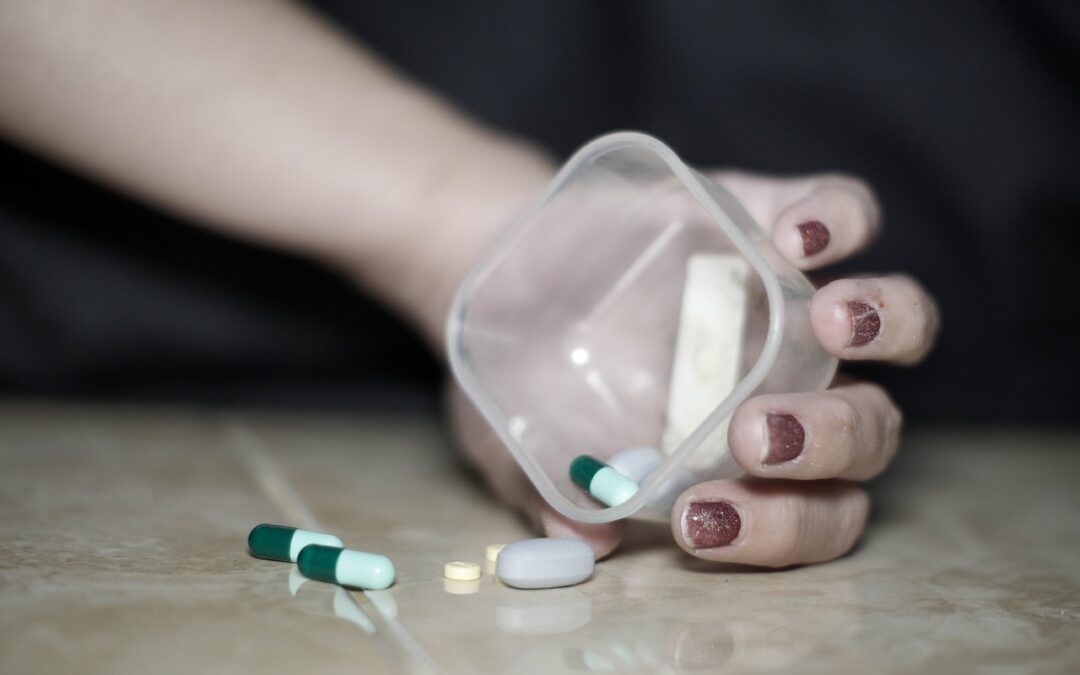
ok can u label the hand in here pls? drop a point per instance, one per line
(815, 442)
(810, 448)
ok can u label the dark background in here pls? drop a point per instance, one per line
(964, 116)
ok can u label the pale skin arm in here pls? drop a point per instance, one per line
(256, 119)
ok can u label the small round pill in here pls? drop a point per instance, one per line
(461, 571)
(277, 542)
(491, 552)
(458, 587)
(604, 484)
(346, 567)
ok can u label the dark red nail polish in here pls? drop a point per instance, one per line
(786, 437)
(865, 323)
(711, 524)
(815, 236)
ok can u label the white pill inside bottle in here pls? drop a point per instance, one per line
(636, 463)
(545, 563)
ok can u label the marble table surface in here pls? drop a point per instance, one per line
(123, 549)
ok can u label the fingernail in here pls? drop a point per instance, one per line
(711, 524)
(865, 323)
(786, 437)
(815, 236)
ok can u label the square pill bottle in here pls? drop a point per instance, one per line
(635, 303)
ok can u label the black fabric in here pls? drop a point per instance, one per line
(965, 116)
(100, 296)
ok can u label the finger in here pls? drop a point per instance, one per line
(849, 432)
(838, 218)
(814, 221)
(884, 318)
(486, 453)
(769, 523)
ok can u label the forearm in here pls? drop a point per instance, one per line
(255, 118)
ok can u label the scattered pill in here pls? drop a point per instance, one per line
(459, 587)
(346, 567)
(604, 484)
(491, 552)
(277, 542)
(636, 463)
(461, 571)
(545, 563)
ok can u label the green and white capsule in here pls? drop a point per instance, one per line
(277, 542)
(346, 567)
(604, 484)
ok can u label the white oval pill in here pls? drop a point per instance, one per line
(545, 563)
(636, 463)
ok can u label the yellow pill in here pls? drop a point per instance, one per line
(492, 551)
(455, 587)
(461, 571)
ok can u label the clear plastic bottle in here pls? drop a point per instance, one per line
(565, 336)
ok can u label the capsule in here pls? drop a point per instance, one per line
(277, 542)
(604, 484)
(346, 567)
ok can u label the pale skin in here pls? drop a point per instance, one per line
(256, 119)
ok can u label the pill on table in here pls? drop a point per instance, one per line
(277, 542)
(545, 563)
(461, 571)
(636, 463)
(346, 567)
(491, 552)
(458, 587)
(604, 484)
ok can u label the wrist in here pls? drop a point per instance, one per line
(460, 207)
